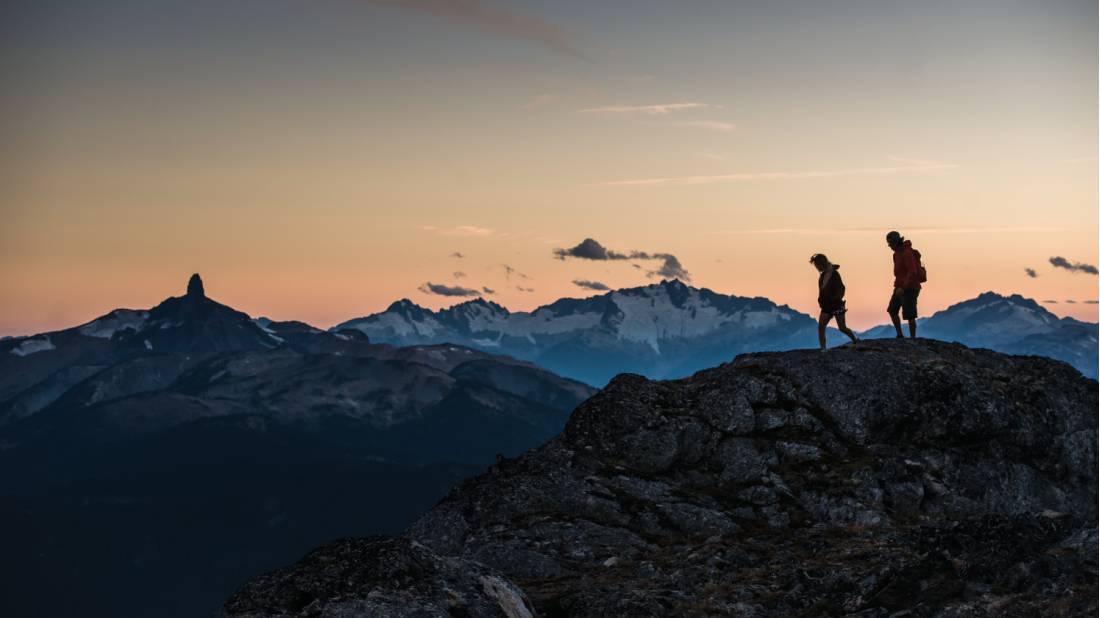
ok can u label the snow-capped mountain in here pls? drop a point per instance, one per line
(36, 370)
(181, 448)
(662, 330)
(1012, 324)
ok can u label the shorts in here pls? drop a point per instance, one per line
(835, 310)
(906, 301)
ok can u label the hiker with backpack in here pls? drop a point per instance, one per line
(830, 297)
(908, 276)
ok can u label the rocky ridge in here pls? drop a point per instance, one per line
(894, 478)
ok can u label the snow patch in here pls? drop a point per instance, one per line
(264, 323)
(119, 319)
(32, 345)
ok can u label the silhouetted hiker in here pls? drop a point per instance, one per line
(830, 297)
(908, 275)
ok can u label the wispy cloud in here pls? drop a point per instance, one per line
(457, 254)
(509, 271)
(660, 109)
(883, 230)
(590, 285)
(537, 101)
(751, 176)
(1073, 267)
(488, 290)
(495, 21)
(709, 125)
(447, 290)
(1031, 272)
(459, 230)
(459, 274)
(1091, 302)
(913, 161)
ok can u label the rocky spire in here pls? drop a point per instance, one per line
(194, 286)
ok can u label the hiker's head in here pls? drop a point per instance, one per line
(819, 261)
(894, 239)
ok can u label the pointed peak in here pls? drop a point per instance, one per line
(479, 302)
(403, 306)
(194, 286)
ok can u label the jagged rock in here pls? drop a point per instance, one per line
(194, 286)
(382, 578)
(894, 478)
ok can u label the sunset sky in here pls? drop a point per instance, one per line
(317, 160)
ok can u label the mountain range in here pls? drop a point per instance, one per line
(671, 330)
(1011, 324)
(662, 330)
(178, 450)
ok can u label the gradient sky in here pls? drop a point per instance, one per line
(318, 159)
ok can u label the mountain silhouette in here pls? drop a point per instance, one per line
(178, 450)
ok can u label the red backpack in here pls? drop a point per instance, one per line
(922, 274)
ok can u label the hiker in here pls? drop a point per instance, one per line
(908, 275)
(830, 297)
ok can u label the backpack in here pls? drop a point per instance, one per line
(922, 274)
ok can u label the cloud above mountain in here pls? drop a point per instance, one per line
(591, 249)
(660, 109)
(509, 271)
(447, 290)
(495, 21)
(590, 285)
(1073, 267)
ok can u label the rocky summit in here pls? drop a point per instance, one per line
(892, 478)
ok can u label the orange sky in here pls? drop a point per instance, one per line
(318, 161)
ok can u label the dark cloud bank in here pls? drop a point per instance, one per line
(1073, 267)
(590, 249)
(590, 285)
(447, 290)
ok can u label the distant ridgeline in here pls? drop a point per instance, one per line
(173, 452)
(1013, 325)
(672, 330)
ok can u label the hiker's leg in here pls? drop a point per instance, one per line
(822, 322)
(909, 310)
(843, 326)
(893, 308)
